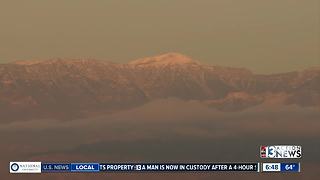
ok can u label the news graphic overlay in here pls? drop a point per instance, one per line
(280, 167)
(85, 167)
(70, 167)
(147, 167)
(38, 167)
(281, 151)
(25, 167)
(56, 167)
(180, 167)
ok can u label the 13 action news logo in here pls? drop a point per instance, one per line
(280, 151)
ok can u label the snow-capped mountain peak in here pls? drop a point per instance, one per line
(164, 60)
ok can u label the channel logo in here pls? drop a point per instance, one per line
(25, 167)
(281, 151)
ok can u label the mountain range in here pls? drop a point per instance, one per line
(71, 88)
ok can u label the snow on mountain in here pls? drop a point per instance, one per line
(165, 60)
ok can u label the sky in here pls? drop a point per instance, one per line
(265, 36)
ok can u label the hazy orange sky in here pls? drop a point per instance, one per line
(265, 36)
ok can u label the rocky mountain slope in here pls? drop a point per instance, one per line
(69, 88)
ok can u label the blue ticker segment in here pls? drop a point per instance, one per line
(85, 167)
(55, 167)
(290, 167)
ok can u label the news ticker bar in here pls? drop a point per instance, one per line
(38, 167)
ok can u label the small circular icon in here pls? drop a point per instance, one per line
(14, 167)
